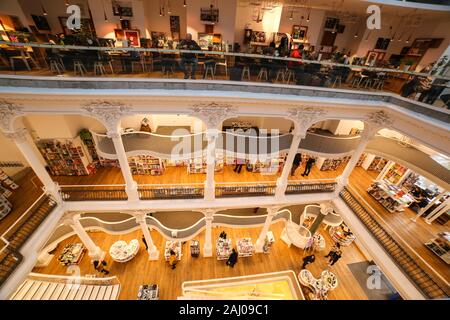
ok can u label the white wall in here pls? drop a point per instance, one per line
(12, 7)
(162, 24)
(345, 126)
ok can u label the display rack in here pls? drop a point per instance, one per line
(7, 182)
(5, 207)
(331, 164)
(148, 292)
(109, 163)
(391, 197)
(199, 165)
(146, 165)
(245, 247)
(72, 254)
(361, 160)
(395, 174)
(270, 166)
(342, 235)
(377, 164)
(88, 141)
(195, 248)
(175, 246)
(65, 157)
(440, 245)
(223, 248)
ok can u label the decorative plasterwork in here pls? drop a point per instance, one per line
(380, 118)
(306, 116)
(108, 112)
(19, 136)
(213, 114)
(8, 111)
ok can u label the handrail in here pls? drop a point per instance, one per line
(159, 135)
(334, 137)
(392, 231)
(170, 184)
(247, 182)
(90, 185)
(81, 278)
(219, 53)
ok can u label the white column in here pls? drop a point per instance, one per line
(282, 181)
(428, 206)
(153, 252)
(438, 214)
(437, 210)
(207, 247)
(93, 250)
(131, 185)
(210, 188)
(366, 135)
(20, 138)
(385, 170)
(271, 212)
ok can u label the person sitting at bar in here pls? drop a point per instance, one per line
(189, 58)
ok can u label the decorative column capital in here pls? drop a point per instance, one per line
(69, 218)
(305, 116)
(18, 136)
(272, 211)
(8, 112)
(213, 113)
(379, 119)
(212, 134)
(369, 131)
(107, 112)
(209, 214)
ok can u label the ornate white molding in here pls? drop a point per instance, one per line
(19, 136)
(380, 118)
(107, 112)
(306, 116)
(213, 114)
(8, 111)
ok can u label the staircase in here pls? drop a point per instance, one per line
(405, 262)
(20, 232)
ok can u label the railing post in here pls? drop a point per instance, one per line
(210, 192)
(207, 247)
(95, 253)
(442, 208)
(153, 253)
(282, 181)
(368, 133)
(20, 138)
(271, 212)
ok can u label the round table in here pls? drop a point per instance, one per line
(319, 287)
(121, 251)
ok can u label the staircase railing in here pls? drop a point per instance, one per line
(93, 192)
(314, 186)
(16, 236)
(405, 259)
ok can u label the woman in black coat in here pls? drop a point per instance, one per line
(232, 259)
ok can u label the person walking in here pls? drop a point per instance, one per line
(145, 242)
(308, 260)
(308, 166)
(239, 163)
(173, 259)
(297, 162)
(189, 58)
(232, 259)
(335, 257)
(333, 249)
(100, 267)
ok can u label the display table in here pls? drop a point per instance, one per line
(195, 248)
(319, 242)
(342, 235)
(121, 251)
(440, 245)
(175, 246)
(223, 248)
(148, 292)
(320, 287)
(245, 247)
(72, 254)
(391, 197)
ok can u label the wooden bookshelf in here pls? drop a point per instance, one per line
(146, 165)
(395, 174)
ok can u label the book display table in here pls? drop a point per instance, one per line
(148, 292)
(195, 248)
(175, 246)
(72, 254)
(223, 248)
(321, 286)
(245, 247)
(121, 251)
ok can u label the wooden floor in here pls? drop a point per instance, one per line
(414, 233)
(30, 188)
(141, 271)
(179, 175)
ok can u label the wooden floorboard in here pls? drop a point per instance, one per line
(141, 271)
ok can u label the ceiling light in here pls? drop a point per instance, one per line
(184, 4)
(291, 16)
(67, 3)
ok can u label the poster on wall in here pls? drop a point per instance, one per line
(382, 43)
(209, 15)
(41, 22)
(247, 36)
(258, 37)
(299, 32)
(133, 37)
(175, 27)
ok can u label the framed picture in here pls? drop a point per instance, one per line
(123, 9)
(247, 36)
(258, 36)
(175, 27)
(133, 37)
(382, 43)
(119, 34)
(299, 32)
(340, 28)
(373, 57)
(41, 22)
(209, 15)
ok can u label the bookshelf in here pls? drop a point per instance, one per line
(325, 164)
(361, 160)
(377, 164)
(89, 144)
(146, 165)
(65, 157)
(198, 165)
(6, 182)
(395, 174)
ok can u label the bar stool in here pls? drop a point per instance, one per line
(280, 74)
(245, 71)
(209, 67)
(222, 63)
(78, 67)
(262, 72)
(366, 82)
(24, 57)
(99, 68)
(337, 78)
(288, 76)
(56, 67)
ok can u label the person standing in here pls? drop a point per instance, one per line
(232, 259)
(297, 162)
(189, 58)
(335, 257)
(333, 249)
(308, 260)
(308, 166)
(100, 267)
(173, 259)
(145, 242)
(239, 163)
